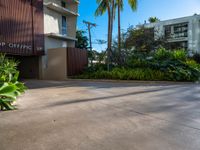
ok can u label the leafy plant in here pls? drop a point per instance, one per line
(9, 93)
(196, 57)
(159, 65)
(10, 87)
(162, 54)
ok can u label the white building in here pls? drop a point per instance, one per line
(180, 32)
(60, 18)
(60, 21)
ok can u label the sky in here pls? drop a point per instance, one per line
(162, 9)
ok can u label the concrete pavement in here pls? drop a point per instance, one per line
(84, 115)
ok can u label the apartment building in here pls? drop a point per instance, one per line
(60, 21)
(180, 32)
(37, 32)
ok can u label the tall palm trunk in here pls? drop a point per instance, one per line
(109, 42)
(119, 33)
(111, 11)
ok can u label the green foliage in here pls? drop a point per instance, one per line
(8, 94)
(179, 54)
(125, 74)
(142, 39)
(163, 54)
(10, 87)
(82, 40)
(159, 65)
(196, 57)
(8, 67)
(153, 19)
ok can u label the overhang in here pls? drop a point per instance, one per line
(60, 36)
(60, 9)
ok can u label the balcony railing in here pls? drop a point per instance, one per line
(60, 9)
(60, 36)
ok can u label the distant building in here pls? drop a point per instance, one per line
(180, 32)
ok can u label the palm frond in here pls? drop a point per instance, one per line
(133, 4)
(102, 7)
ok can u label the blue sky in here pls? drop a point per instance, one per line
(163, 9)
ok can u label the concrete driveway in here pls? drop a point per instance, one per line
(81, 115)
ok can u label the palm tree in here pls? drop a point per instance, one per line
(153, 19)
(109, 6)
(120, 5)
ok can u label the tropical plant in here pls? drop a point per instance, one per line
(159, 65)
(10, 87)
(120, 5)
(153, 19)
(196, 57)
(82, 40)
(9, 91)
(109, 7)
(8, 67)
(142, 39)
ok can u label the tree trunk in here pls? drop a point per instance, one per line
(109, 45)
(119, 33)
(110, 30)
(111, 25)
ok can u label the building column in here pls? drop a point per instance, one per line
(190, 38)
(196, 35)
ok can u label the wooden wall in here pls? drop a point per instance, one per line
(21, 27)
(77, 60)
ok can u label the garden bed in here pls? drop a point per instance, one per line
(162, 65)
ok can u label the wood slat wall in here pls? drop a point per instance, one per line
(77, 60)
(21, 27)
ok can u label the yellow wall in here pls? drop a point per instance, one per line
(57, 64)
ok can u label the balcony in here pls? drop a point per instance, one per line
(72, 1)
(60, 9)
(60, 36)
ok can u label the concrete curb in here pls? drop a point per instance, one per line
(132, 81)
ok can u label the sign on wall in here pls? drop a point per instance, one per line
(22, 27)
(15, 46)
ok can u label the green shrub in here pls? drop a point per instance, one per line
(162, 54)
(10, 87)
(160, 65)
(196, 57)
(179, 55)
(125, 74)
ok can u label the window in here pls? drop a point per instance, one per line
(181, 30)
(64, 25)
(63, 4)
(168, 31)
(176, 30)
(179, 45)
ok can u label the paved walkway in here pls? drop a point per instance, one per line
(78, 115)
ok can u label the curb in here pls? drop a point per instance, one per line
(132, 81)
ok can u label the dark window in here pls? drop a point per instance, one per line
(176, 31)
(63, 4)
(179, 45)
(181, 30)
(64, 25)
(168, 31)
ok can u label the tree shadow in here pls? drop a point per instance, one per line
(112, 97)
(37, 84)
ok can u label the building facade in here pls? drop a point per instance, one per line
(30, 29)
(180, 33)
(60, 21)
